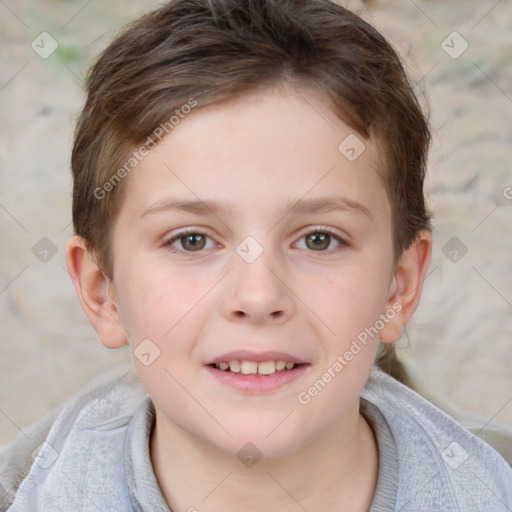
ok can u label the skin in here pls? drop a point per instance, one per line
(254, 154)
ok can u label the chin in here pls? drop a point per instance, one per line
(254, 442)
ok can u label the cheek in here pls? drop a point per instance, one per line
(348, 306)
(348, 300)
(153, 302)
(158, 310)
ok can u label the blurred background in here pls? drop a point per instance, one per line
(459, 345)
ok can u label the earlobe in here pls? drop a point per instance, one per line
(407, 285)
(95, 292)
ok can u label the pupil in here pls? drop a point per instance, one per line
(319, 240)
(193, 242)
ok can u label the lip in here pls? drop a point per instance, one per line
(256, 384)
(259, 357)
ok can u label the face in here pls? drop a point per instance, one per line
(248, 238)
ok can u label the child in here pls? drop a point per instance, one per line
(249, 216)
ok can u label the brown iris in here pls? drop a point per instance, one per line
(193, 242)
(318, 241)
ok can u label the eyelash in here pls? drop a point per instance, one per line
(180, 234)
(342, 243)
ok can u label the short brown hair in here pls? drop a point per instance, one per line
(211, 50)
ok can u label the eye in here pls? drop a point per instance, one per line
(320, 240)
(190, 241)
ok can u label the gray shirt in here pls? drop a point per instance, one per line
(145, 493)
(95, 455)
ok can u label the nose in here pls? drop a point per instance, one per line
(258, 293)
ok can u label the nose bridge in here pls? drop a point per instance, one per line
(256, 293)
(256, 276)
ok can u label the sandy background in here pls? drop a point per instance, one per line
(460, 342)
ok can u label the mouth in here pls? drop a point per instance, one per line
(252, 373)
(262, 369)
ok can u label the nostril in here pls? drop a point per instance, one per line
(243, 314)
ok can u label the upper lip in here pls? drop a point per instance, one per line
(259, 357)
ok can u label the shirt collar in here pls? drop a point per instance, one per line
(145, 493)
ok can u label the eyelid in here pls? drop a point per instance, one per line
(323, 229)
(180, 232)
(341, 239)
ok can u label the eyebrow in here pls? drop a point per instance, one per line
(298, 206)
(326, 205)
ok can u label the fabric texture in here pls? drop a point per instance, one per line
(386, 489)
(145, 493)
(96, 455)
(16, 458)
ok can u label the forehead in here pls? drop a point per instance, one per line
(265, 148)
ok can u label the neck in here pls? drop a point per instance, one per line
(338, 471)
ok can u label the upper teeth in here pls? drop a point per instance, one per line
(253, 367)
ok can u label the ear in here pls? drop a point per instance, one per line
(406, 287)
(96, 293)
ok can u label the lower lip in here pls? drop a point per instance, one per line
(255, 384)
